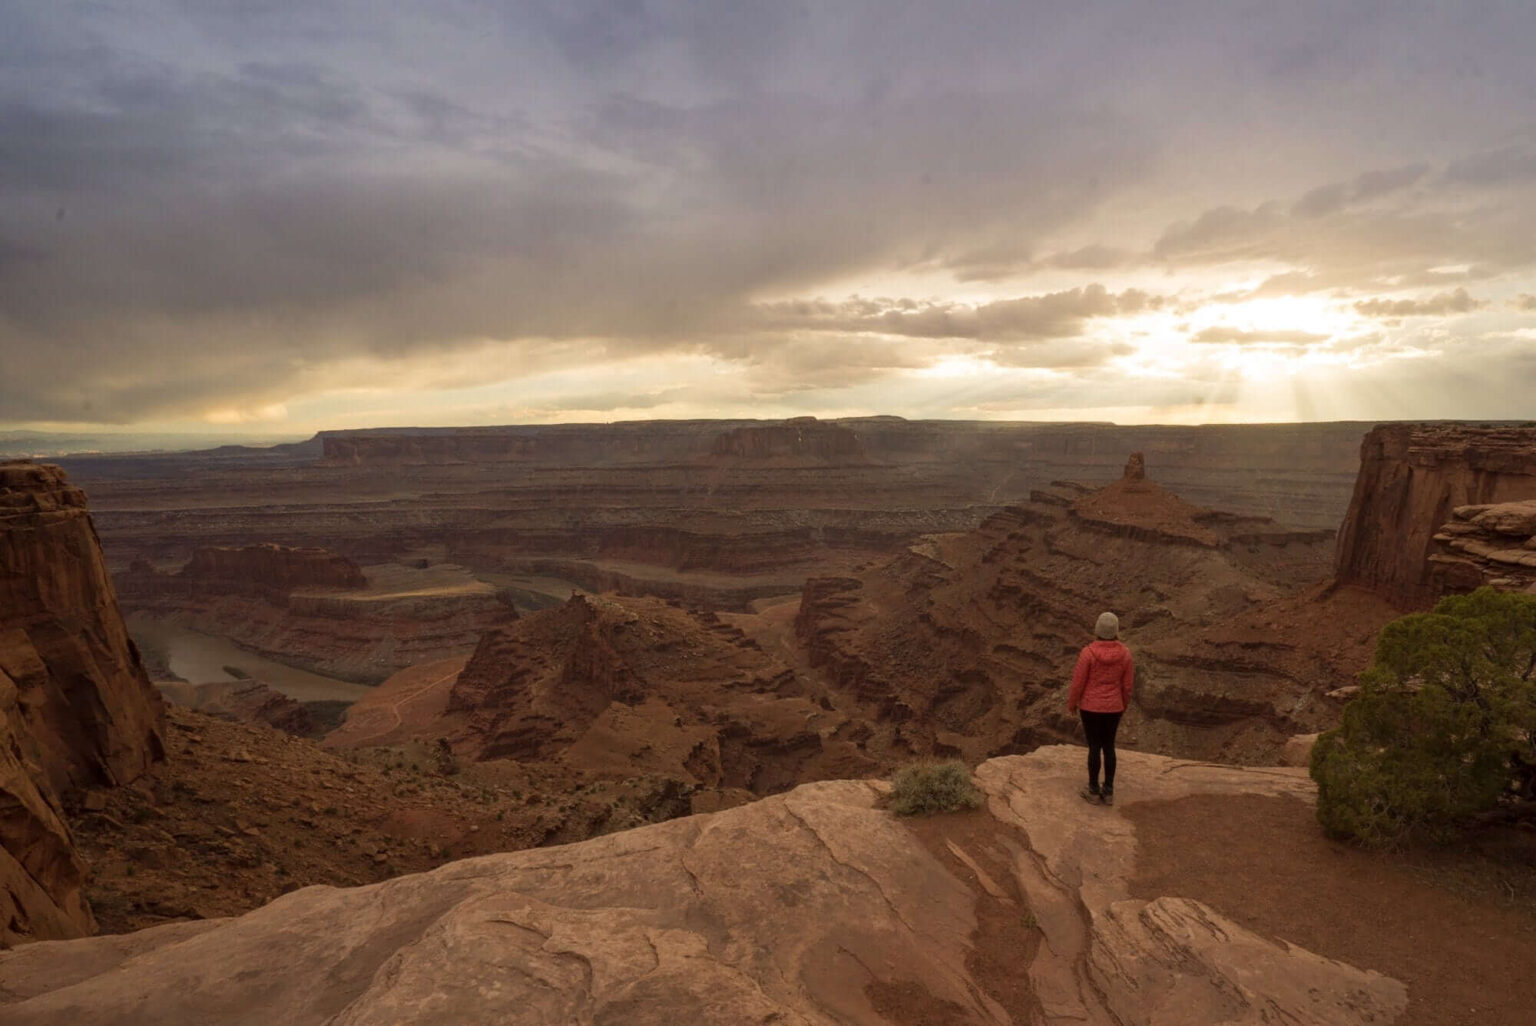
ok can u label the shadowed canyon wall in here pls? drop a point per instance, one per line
(76, 709)
(1412, 479)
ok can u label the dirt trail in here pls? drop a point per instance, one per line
(382, 717)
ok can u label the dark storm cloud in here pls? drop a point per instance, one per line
(298, 214)
(227, 202)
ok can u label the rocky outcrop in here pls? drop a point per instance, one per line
(1412, 477)
(1493, 545)
(619, 686)
(270, 570)
(1137, 507)
(799, 438)
(76, 710)
(813, 907)
(962, 645)
(244, 701)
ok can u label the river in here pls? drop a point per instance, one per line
(202, 658)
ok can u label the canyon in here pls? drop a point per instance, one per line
(76, 709)
(783, 613)
(319, 611)
(723, 512)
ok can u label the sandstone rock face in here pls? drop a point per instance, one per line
(1109, 959)
(1411, 479)
(270, 569)
(803, 908)
(1135, 467)
(1493, 545)
(623, 686)
(800, 438)
(243, 701)
(75, 707)
(645, 508)
(964, 644)
(1137, 507)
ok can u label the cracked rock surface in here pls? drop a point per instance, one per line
(791, 910)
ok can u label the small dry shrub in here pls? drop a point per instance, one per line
(928, 787)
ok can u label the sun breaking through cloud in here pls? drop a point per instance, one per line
(297, 216)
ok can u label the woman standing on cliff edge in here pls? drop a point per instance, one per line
(1101, 689)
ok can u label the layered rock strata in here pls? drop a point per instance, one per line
(312, 609)
(1493, 545)
(648, 507)
(243, 701)
(813, 907)
(963, 645)
(621, 686)
(76, 710)
(274, 570)
(795, 439)
(1412, 477)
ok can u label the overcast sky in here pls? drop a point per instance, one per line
(283, 215)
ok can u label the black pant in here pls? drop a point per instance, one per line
(1100, 729)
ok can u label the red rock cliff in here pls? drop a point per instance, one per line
(1412, 477)
(1493, 545)
(801, 437)
(76, 709)
(275, 568)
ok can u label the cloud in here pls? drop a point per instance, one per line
(1443, 304)
(1053, 315)
(1505, 166)
(223, 206)
(1094, 257)
(1332, 198)
(1434, 239)
(1524, 301)
(1239, 336)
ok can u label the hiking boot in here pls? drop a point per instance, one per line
(1107, 796)
(1089, 793)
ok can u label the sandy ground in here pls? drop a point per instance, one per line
(1458, 928)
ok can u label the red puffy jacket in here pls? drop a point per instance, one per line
(1102, 679)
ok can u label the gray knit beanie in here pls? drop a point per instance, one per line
(1108, 627)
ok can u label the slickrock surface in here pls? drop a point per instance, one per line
(813, 907)
(1493, 545)
(1412, 478)
(76, 709)
(1108, 958)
